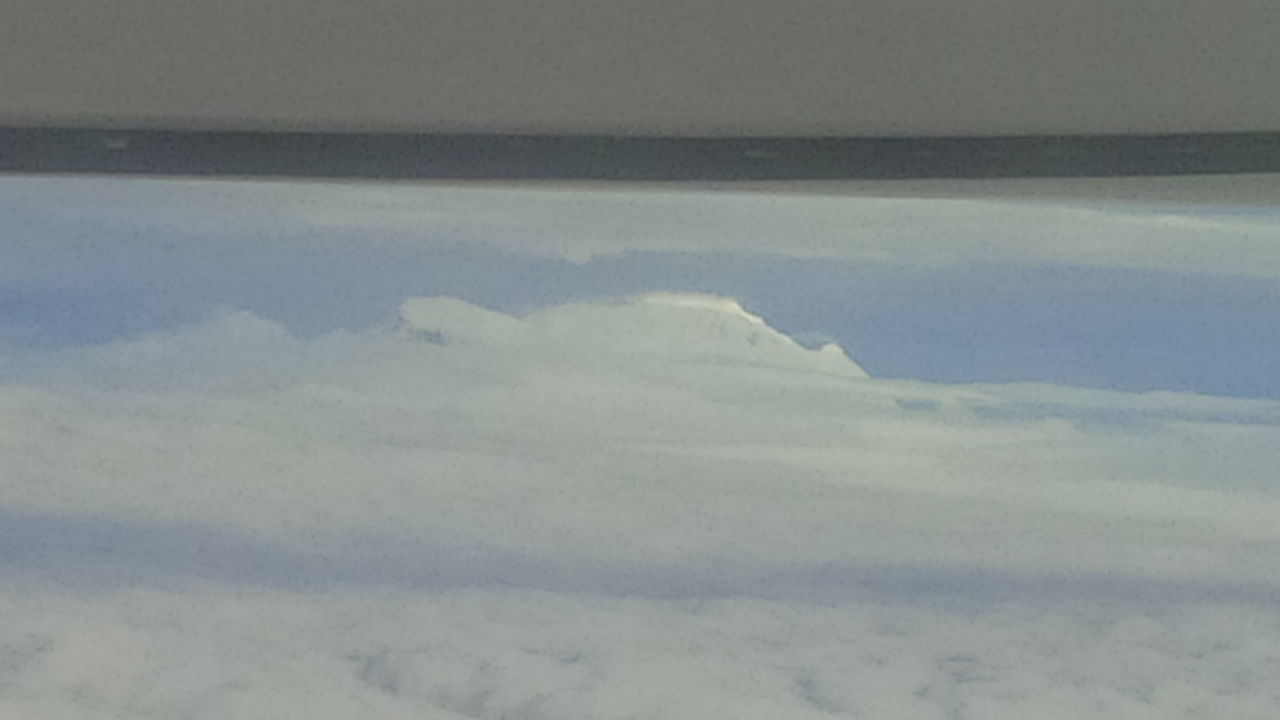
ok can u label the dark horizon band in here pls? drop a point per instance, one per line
(463, 156)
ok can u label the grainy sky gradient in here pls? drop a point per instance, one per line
(244, 473)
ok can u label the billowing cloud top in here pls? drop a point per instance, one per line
(733, 435)
(665, 326)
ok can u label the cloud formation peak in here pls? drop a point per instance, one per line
(690, 327)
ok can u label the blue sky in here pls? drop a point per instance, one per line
(82, 269)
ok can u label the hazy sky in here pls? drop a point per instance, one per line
(320, 451)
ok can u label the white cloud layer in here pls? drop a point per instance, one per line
(580, 224)
(658, 507)
(211, 654)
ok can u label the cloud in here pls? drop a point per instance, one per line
(666, 326)
(657, 505)
(528, 434)
(212, 653)
(580, 225)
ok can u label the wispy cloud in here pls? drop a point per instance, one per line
(580, 225)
